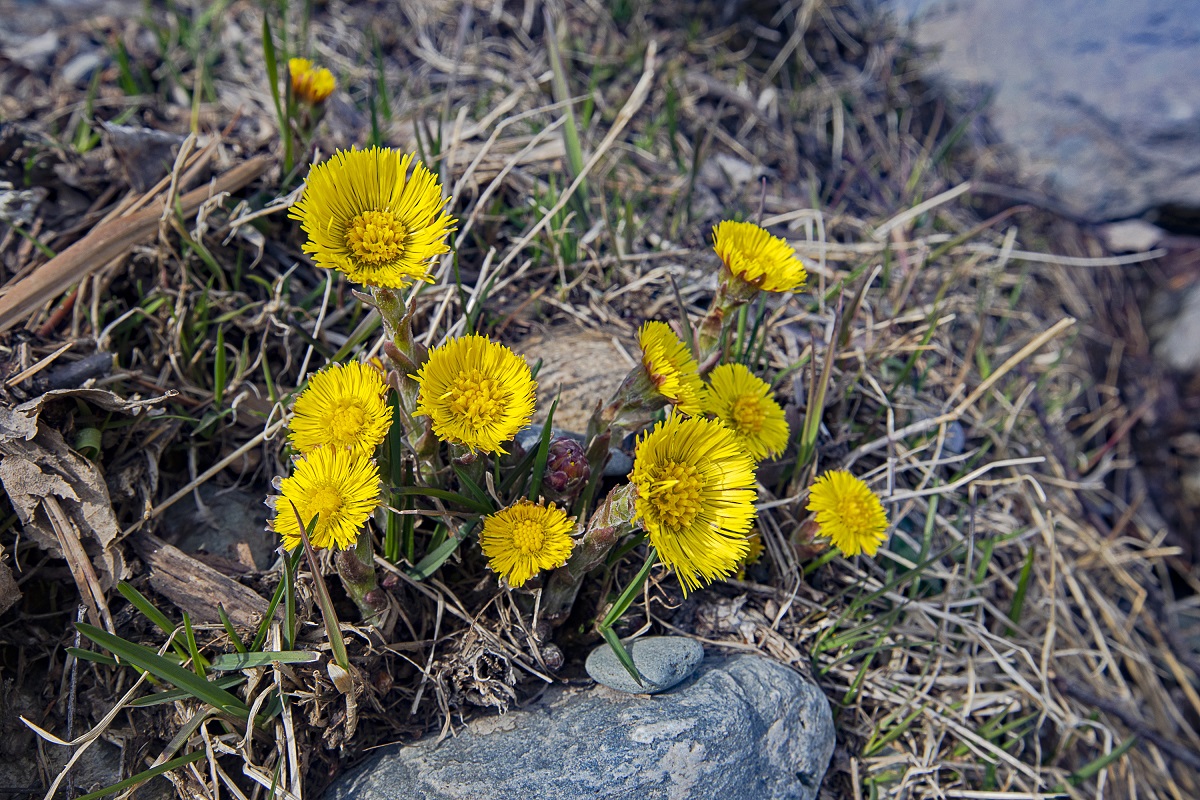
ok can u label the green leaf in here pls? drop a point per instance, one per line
(156, 665)
(232, 661)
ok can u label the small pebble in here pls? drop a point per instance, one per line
(662, 661)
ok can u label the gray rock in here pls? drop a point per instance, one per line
(746, 729)
(1098, 99)
(1177, 329)
(662, 661)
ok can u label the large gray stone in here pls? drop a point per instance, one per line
(745, 729)
(1098, 99)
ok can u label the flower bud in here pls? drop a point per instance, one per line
(567, 468)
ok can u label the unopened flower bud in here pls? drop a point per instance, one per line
(566, 467)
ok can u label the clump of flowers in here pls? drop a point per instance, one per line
(522, 540)
(439, 420)
(338, 487)
(375, 216)
(344, 406)
(848, 512)
(741, 401)
(310, 84)
(695, 497)
(477, 393)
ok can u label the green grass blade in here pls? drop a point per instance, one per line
(231, 631)
(89, 655)
(171, 695)
(198, 661)
(156, 665)
(142, 777)
(480, 497)
(621, 653)
(543, 452)
(265, 626)
(232, 661)
(452, 497)
(437, 556)
(219, 368)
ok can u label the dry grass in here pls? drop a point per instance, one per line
(1028, 630)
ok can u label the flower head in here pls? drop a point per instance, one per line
(757, 258)
(522, 540)
(695, 497)
(848, 512)
(338, 486)
(753, 553)
(742, 402)
(475, 392)
(310, 84)
(344, 406)
(670, 367)
(367, 216)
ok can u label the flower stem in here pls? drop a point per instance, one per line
(356, 568)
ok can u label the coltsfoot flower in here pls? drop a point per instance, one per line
(670, 367)
(522, 540)
(758, 259)
(476, 393)
(343, 406)
(338, 486)
(695, 497)
(310, 84)
(848, 512)
(742, 402)
(375, 216)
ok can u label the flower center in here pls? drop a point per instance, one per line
(676, 495)
(748, 414)
(528, 536)
(476, 398)
(854, 514)
(326, 502)
(345, 423)
(376, 237)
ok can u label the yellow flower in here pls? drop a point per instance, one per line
(344, 405)
(338, 486)
(753, 555)
(742, 402)
(310, 84)
(671, 368)
(757, 258)
(475, 392)
(366, 216)
(848, 512)
(522, 540)
(695, 497)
